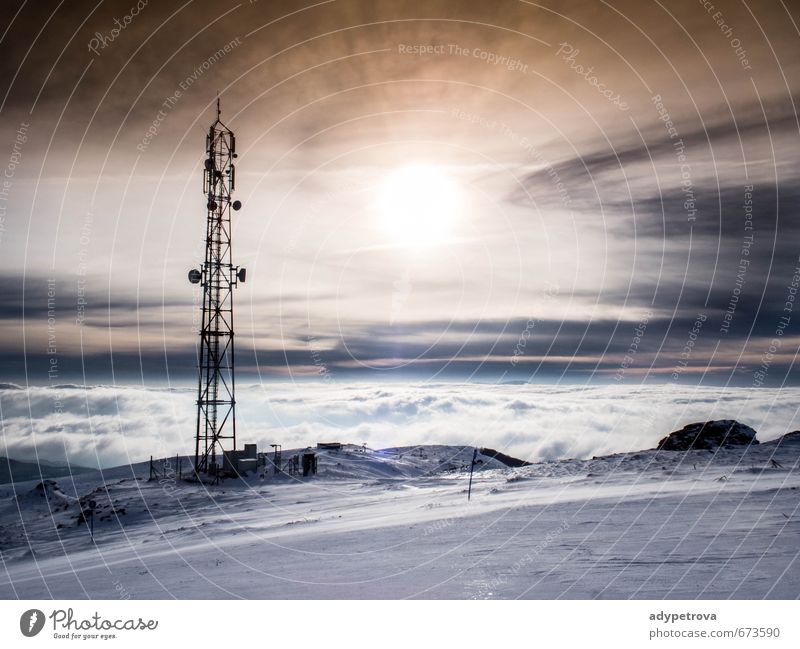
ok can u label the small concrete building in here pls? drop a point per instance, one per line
(241, 460)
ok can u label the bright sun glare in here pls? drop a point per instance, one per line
(418, 205)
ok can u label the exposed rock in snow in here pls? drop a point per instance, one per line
(47, 494)
(709, 435)
(789, 438)
(508, 460)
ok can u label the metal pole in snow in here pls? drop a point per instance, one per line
(92, 506)
(471, 468)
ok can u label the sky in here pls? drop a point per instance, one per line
(600, 193)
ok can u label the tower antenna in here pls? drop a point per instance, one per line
(216, 400)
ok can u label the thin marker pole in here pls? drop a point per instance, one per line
(471, 469)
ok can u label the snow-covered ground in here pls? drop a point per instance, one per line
(396, 523)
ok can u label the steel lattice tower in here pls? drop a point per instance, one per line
(216, 401)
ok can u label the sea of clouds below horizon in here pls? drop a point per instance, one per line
(112, 425)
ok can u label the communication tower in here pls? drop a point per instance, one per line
(218, 277)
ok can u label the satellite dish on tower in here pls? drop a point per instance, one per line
(237, 205)
(194, 276)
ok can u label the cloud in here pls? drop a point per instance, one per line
(108, 426)
(93, 426)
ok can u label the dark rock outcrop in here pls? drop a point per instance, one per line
(502, 457)
(789, 438)
(709, 435)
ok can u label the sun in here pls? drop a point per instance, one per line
(418, 205)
